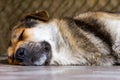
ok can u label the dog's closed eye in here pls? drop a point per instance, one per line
(21, 36)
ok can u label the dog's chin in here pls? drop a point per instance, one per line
(42, 61)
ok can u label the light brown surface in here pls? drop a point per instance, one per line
(12, 72)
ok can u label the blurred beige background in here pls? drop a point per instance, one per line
(12, 10)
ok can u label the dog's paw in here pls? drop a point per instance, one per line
(116, 48)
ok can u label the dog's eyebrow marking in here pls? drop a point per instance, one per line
(21, 36)
(28, 23)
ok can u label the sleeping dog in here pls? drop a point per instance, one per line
(91, 38)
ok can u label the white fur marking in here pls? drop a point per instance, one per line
(113, 27)
(49, 32)
(41, 61)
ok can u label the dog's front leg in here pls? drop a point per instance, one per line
(116, 45)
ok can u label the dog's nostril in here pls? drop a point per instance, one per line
(20, 54)
(46, 46)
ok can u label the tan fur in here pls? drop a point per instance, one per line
(74, 45)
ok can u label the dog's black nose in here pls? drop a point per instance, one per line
(20, 54)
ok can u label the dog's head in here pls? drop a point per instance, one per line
(29, 43)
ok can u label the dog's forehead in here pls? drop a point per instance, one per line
(31, 29)
(29, 23)
(26, 25)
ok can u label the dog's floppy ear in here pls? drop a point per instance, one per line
(38, 15)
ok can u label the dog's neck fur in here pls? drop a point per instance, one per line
(69, 47)
(66, 49)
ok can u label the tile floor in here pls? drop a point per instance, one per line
(12, 72)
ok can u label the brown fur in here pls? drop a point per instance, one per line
(85, 36)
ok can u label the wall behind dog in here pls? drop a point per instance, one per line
(12, 10)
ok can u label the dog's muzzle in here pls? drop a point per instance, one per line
(34, 53)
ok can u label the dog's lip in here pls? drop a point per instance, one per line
(11, 58)
(42, 60)
(26, 64)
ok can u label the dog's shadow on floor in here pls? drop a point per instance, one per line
(3, 59)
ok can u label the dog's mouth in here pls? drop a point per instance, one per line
(33, 53)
